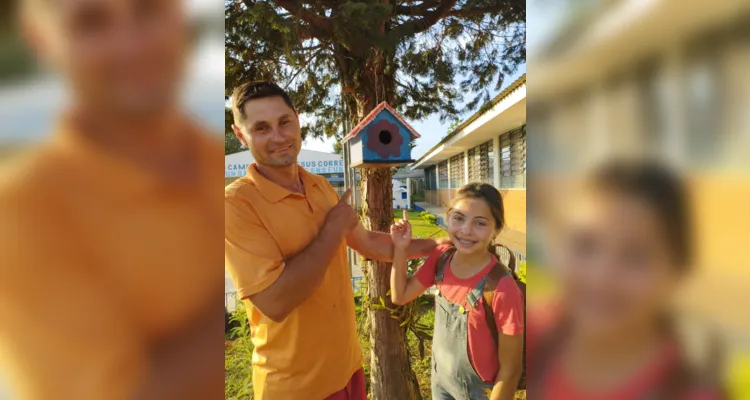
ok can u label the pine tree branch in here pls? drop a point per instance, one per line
(472, 11)
(416, 10)
(322, 25)
(423, 23)
(306, 64)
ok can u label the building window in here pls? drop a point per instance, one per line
(513, 159)
(472, 163)
(443, 174)
(704, 94)
(457, 171)
(430, 178)
(403, 195)
(480, 163)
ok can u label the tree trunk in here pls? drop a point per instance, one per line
(390, 370)
(391, 376)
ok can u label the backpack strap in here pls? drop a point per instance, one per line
(441, 263)
(493, 278)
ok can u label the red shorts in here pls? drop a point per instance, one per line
(354, 390)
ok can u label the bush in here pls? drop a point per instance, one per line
(238, 356)
(428, 218)
(521, 271)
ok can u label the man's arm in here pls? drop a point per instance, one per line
(510, 354)
(301, 276)
(304, 271)
(186, 364)
(379, 246)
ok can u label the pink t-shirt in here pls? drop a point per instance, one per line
(508, 305)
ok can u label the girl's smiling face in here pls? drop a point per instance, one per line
(471, 225)
(614, 263)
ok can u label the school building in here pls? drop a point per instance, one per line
(489, 147)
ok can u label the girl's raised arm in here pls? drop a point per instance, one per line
(403, 289)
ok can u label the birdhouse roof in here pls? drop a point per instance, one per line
(371, 116)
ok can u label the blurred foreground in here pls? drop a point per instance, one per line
(664, 79)
(110, 264)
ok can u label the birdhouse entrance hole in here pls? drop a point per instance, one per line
(385, 137)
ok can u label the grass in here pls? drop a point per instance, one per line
(419, 227)
(238, 355)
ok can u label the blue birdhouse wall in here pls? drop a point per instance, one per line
(381, 140)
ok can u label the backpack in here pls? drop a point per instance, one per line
(496, 273)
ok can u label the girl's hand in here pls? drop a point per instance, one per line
(401, 232)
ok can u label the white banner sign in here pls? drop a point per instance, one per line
(313, 167)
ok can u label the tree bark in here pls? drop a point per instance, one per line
(390, 370)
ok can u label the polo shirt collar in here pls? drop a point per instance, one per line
(274, 192)
(126, 177)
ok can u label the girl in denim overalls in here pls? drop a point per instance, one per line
(468, 363)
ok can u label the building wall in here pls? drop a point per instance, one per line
(431, 196)
(444, 196)
(514, 234)
(500, 162)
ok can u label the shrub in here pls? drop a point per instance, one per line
(238, 356)
(521, 271)
(429, 218)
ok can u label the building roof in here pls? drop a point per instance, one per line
(371, 116)
(617, 37)
(503, 95)
(406, 172)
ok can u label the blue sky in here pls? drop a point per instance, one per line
(431, 129)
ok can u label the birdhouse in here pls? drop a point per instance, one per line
(380, 140)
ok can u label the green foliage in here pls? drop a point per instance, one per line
(429, 219)
(521, 271)
(439, 57)
(338, 148)
(238, 356)
(231, 144)
(453, 126)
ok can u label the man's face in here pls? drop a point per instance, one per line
(271, 131)
(120, 56)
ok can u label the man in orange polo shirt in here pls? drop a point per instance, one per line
(286, 233)
(109, 287)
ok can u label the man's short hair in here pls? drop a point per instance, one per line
(253, 91)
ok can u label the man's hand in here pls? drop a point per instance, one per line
(401, 233)
(342, 216)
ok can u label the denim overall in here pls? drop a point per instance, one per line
(453, 376)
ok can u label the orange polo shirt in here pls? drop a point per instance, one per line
(315, 350)
(98, 259)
